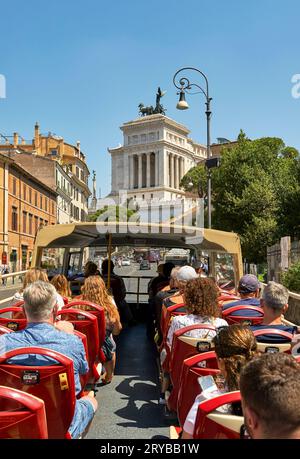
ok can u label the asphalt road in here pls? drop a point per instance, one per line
(132, 284)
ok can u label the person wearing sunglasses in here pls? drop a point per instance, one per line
(235, 346)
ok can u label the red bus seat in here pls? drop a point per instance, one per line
(192, 368)
(166, 318)
(53, 383)
(66, 300)
(167, 314)
(244, 319)
(99, 312)
(184, 347)
(16, 321)
(213, 425)
(83, 378)
(4, 330)
(86, 323)
(274, 347)
(21, 415)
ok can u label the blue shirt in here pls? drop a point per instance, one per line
(269, 338)
(244, 302)
(46, 335)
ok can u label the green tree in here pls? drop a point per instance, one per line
(291, 278)
(254, 192)
(114, 213)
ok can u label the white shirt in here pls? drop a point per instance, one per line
(192, 319)
(189, 424)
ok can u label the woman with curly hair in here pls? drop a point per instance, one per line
(94, 290)
(235, 346)
(62, 286)
(201, 302)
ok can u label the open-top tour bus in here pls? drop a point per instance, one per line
(65, 248)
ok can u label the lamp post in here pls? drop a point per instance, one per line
(184, 85)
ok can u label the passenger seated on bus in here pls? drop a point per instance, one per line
(118, 290)
(270, 388)
(161, 282)
(201, 302)
(33, 275)
(234, 346)
(168, 297)
(158, 279)
(94, 290)
(62, 286)
(199, 267)
(249, 290)
(40, 306)
(274, 303)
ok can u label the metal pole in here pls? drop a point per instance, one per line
(208, 116)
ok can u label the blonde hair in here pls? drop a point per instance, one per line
(95, 291)
(33, 275)
(61, 284)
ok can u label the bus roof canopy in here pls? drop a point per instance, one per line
(95, 234)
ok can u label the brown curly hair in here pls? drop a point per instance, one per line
(201, 295)
(236, 345)
(95, 291)
(61, 284)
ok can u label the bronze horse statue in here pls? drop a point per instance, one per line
(145, 111)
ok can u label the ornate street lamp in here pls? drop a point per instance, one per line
(184, 85)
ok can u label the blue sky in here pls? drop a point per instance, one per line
(82, 68)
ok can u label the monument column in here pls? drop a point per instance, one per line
(171, 170)
(131, 171)
(176, 171)
(148, 170)
(157, 181)
(140, 164)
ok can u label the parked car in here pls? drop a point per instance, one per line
(145, 265)
(125, 262)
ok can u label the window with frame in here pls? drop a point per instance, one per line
(24, 192)
(36, 199)
(52, 208)
(24, 222)
(30, 223)
(30, 195)
(36, 224)
(14, 186)
(14, 219)
(46, 204)
(41, 201)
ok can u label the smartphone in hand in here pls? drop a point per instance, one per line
(207, 383)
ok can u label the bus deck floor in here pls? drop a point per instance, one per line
(128, 406)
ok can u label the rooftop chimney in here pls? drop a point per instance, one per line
(78, 145)
(36, 136)
(16, 139)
